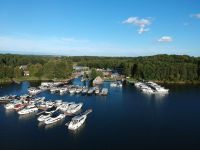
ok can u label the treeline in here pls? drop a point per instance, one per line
(46, 67)
(173, 68)
(159, 67)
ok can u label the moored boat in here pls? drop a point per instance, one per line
(54, 119)
(78, 121)
(28, 110)
(104, 91)
(44, 116)
(74, 108)
(65, 106)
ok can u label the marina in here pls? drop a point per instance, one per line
(127, 106)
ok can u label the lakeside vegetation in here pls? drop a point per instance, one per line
(160, 68)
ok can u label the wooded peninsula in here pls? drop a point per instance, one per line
(160, 68)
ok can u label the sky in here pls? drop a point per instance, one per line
(100, 27)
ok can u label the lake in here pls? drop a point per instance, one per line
(125, 119)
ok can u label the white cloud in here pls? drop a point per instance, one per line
(165, 39)
(197, 16)
(142, 30)
(142, 23)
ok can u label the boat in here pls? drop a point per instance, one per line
(72, 90)
(147, 90)
(46, 105)
(39, 99)
(19, 106)
(43, 88)
(78, 121)
(54, 119)
(63, 90)
(54, 90)
(6, 99)
(44, 116)
(58, 102)
(84, 91)
(52, 109)
(72, 109)
(47, 84)
(104, 91)
(34, 91)
(116, 84)
(119, 84)
(78, 90)
(157, 88)
(9, 106)
(138, 84)
(97, 91)
(90, 91)
(28, 110)
(65, 106)
(113, 84)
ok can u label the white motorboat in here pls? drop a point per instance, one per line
(72, 90)
(74, 108)
(46, 104)
(114, 84)
(58, 102)
(146, 89)
(104, 91)
(27, 110)
(52, 109)
(78, 121)
(7, 99)
(78, 90)
(97, 91)
(39, 99)
(138, 84)
(64, 107)
(54, 89)
(90, 91)
(47, 84)
(9, 106)
(84, 91)
(54, 119)
(34, 91)
(157, 87)
(63, 90)
(44, 116)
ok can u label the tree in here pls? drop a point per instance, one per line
(18, 72)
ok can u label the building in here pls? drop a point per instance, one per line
(26, 73)
(23, 67)
(97, 80)
(115, 75)
(80, 68)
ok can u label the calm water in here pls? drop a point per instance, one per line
(125, 119)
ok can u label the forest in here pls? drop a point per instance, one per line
(175, 68)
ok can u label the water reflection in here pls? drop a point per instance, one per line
(53, 125)
(160, 96)
(27, 116)
(9, 112)
(78, 131)
(41, 124)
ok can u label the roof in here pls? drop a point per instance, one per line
(98, 80)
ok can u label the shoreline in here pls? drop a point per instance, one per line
(31, 79)
(130, 81)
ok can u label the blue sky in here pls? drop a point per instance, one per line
(100, 27)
